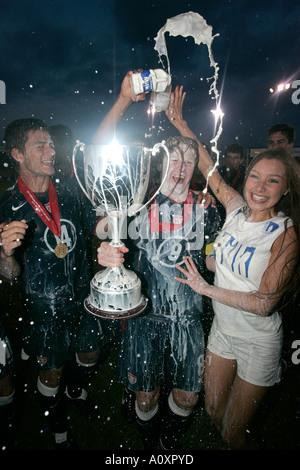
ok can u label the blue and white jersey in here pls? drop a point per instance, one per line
(242, 253)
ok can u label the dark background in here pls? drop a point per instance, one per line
(64, 61)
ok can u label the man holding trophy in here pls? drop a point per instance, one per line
(163, 347)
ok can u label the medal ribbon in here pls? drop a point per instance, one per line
(235, 178)
(52, 223)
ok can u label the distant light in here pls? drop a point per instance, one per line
(218, 113)
(283, 87)
(280, 87)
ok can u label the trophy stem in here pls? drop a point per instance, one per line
(115, 292)
(116, 219)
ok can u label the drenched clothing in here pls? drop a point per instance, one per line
(242, 252)
(258, 358)
(167, 340)
(53, 288)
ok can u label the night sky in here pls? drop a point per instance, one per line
(64, 61)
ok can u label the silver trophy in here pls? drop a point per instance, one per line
(116, 179)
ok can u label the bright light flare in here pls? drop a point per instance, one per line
(113, 152)
(218, 113)
(280, 87)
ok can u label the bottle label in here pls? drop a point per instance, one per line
(147, 81)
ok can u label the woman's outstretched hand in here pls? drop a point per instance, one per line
(193, 277)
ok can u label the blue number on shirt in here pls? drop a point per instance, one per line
(233, 252)
(65, 237)
(175, 251)
(250, 250)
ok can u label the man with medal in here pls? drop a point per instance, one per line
(55, 219)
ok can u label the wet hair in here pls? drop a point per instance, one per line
(289, 204)
(16, 133)
(235, 148)
(285, 129)
(183, 144)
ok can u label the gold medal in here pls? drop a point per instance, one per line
(61, 250)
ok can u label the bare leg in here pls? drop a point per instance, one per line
(6, 386)
(146, 401)
(219, 375)
(185, 400)
(230, 401)
(243, 402)
(51, 378)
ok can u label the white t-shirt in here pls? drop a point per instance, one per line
(242, 253)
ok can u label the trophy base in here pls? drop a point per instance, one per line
(116, 314)
(115, 293)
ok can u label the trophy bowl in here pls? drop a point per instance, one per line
(116, 179)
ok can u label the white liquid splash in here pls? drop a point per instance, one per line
(194, 25)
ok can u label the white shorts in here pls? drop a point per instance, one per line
(258, 359)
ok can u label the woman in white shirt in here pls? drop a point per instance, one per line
(257, 267)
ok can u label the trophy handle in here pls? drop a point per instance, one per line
(77, 146)
(131, 210)
(154, 150)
